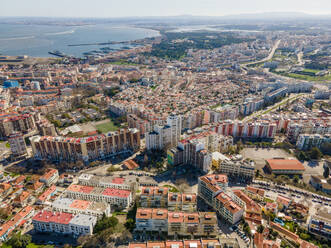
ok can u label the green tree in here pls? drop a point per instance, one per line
(130, 224)
(19, 241)
(296, 179)
(105, 223)
(315, 153)
(260, 229)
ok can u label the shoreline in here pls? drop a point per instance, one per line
(96, 43)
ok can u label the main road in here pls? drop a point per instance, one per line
(271, 54)
(288, 99)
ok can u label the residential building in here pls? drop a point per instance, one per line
(308, 141)
(85, 149)
(17, 144)
(154, 197)
(73, 206)
(51, 176)
(64, 223)
(105, 182)
(197, 243)
(242, 170)
(165, 136)
(196, 224)
(320, 224)
(115, 197)
(8, 227)
(211, 188)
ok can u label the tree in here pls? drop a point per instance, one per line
(105, 223)
(260, 229)
(326, 172)
(296, 179)
(19, 241)
(130, 224)
(315, 153)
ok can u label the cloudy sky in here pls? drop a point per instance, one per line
(119, 8)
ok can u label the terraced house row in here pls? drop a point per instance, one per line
(160, 197)
(175, 224)
(87, 148)
(115, 197)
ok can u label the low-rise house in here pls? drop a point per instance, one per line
(7, 228)
(321, 183)
(50, 177)
(5, 189)
(46, 195)
(22, 199)
(283, 201)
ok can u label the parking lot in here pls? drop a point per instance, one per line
(259, 155)
(307, 198)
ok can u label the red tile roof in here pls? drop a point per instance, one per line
(285, 164)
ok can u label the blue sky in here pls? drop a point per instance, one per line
(119, 8)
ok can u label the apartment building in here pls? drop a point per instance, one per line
(307, 141)
(197, 150)
(246, 130)
(160, 197)
(115, 197)
(64, 223)
(86, 149)
(144, 126)
(243, 170)
(17, 144)
(197, 224)
(198, 243)
(182, 202)
(67, 205)
(51, 176)
(320, 224)
(212, 188)
(154, 197)
(307, 127)
(104, 182)
(14, 122)
(164, 136)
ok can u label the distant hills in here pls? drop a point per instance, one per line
(268, 16)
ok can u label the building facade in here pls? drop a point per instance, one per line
(86, 149)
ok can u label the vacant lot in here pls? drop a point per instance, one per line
(106, 126)
(261, 154)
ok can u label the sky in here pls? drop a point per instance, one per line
(125, 8)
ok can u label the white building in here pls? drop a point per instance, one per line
(115, 197)
(164, 136)
(64, 223)
(72, 206)
(17, 144)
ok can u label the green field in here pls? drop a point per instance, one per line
(107, 127)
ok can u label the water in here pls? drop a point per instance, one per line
(38, 40)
